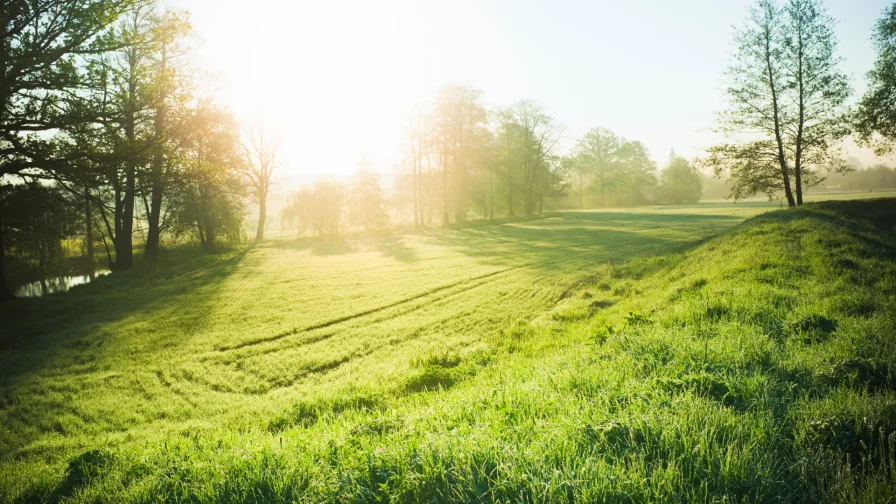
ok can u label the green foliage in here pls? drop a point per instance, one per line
(874, 117)
(681, 183)
(608, 169)
(318, 208)
(35, 220)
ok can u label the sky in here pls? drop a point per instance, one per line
(339, 77)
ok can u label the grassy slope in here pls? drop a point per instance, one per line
(759, 366)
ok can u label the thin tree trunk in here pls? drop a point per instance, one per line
(5, 293)
(414, 182)
(124, 246)
(798, 164)
(88, 238)
(491, 192)
(509, 174)
(445, 200)
(782, 160)
(152, 238)
(262, 212)
(42, 265)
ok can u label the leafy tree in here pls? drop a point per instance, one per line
(680, 183)
(210, 192)
(167, 89)
(531, 137)
(785, 102)
(327, 207)
(457, 131)
(638, 172)
(876, 115)
(366, 203)
(615, 169)
(597, 153)
(318, 207)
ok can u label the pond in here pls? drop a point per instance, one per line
(56, 284)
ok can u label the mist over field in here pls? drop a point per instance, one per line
(434, 252)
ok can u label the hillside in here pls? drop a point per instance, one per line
(587, 357)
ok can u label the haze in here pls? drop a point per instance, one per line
(340, 76)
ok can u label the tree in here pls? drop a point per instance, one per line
(597, 153)
(260, 150)
(168, 29)
(819, 89)
(680, 183)
(785, 102)
(209, 195)
(417, 136)
(366, 203)
(638, 172)
(508, 134)
(458, 130)
(531, 137)
(128, 122)
(875, 119)
(41, 44)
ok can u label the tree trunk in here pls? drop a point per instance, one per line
(509, 192)
(445, 200)
(414, 182)
(124, 246)
(155, 211)
(262, 212)
(491, 193)
(782, 161)
(88, 237)
(5, 293)
(201, 234)
(460, 210)
(42, 265)
(798, 165)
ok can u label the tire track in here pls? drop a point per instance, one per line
(345, 318)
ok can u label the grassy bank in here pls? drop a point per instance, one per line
(558, 360)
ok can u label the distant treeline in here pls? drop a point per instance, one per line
(874, 178)
(463, 160)
(879, 177)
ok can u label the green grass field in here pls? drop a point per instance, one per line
(655, 354)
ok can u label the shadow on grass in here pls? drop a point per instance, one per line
(68, 333)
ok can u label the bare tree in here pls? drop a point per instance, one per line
(260, 149)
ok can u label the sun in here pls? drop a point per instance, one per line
(336, 77)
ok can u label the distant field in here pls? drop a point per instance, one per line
(261, 339)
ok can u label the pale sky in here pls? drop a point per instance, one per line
(338, 76)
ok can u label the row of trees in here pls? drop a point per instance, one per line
(874, 178)
(463, 158)
(105, 134)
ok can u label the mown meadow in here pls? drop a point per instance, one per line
(658, 354)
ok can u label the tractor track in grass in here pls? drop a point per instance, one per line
(345, 318)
